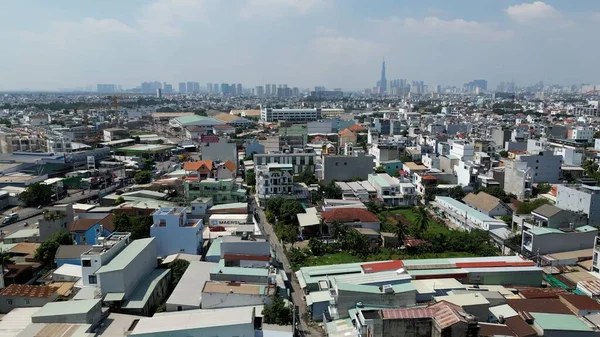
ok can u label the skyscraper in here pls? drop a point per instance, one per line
(382, 84)
(268, 90)
(238, 89)
(182, 88)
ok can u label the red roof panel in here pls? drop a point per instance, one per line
(349, 215)
(377, 267)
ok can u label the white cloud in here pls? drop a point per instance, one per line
(527, 12)
(165, 16)
(325, 31)
(253, 9)
(434, 26)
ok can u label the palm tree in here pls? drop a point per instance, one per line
(401, 233)
(4, 259)
(421, 221)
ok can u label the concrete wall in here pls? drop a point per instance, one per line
(221, 300)
(23, 302)
(347, 300)
(174, 240)
(415, 327)
(347, 167)
(575, 200)
(558, 243)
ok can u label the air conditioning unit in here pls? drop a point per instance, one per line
(387, 289)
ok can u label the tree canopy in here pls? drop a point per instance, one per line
(306, 177)
(498, 193)
(178, 268)
(332, 190)
(138, 226)
(36, 194)
(46, 252)
(527, 207)
(277, 312)
(143, 177)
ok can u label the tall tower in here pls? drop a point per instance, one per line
(383, 81)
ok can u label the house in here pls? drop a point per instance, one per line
(84, 312)
(580, 305)
(546, 240)
(219, 148)
(274, 180)
(194, 132)
(26, 296)
(223, 129)
(342, 168)
(346, 295)
(388, 189)
(553, 217)
(347, 136)
(222, 191)
(353, 217)
(392, 167)
(55, 219)
(130, 283)
(174, 233)
(225, 294)
(225, 170)
(466, 217)
(580, 198)
(201, 169)
(70, 254)
(487, 204)
(100, 255)
(187, 295)
(88, 227)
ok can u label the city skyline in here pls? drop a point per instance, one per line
(265, 41)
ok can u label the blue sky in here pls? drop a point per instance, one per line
(336, 43)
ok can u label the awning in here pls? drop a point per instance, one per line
(114, 297)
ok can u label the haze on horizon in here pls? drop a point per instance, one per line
(335, 43)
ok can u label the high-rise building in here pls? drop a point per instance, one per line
(209, 88)
(159, 93)
(190, 87)
(216, 88)
(382, 84)
(268, 90)
(106, 88)
(224, 88)
(196, 86)
(232, 89)
(319, 88)
(238, 89)
(167, 88)
(274, 89)
(182, 88)
(260, 91)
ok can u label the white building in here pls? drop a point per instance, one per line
(274, 180)
(100, 255)
(388, 189)
(299, 161)
(174, 233)
(187, 295)
(581, 133)
(466, 217)
(461, 149)
(580, 198)
(270, 115)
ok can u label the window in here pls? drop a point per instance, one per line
(27, 302)
(86, 263)
(9, 302)
(92, 279)
(179, 308)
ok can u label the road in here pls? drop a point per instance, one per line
(32, 215)
(297, 293)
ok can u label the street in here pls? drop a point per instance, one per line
(297, 293)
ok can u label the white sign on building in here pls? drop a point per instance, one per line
(91, 162)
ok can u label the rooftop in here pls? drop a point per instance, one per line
(187, 291)
(559, 322)
(145, 289)
(23, 290)
(235, 288)
(66, 308)
(126, 256)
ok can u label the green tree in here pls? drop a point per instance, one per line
(250, 178)
(315, 196)
(277, 312)
(332, 190)
(590, 167)
(457, 193)
(338, 230)
(138, 226)
(119, 200)
(316, 246)
(528, 206)
(543, 188)
(143, 177)
(178, 268)
(401, 233)
(569, 178)
(503, 153)
(36, 194)
(46, 252)
(5, 259)
(405, 159)
(147, 164)
(421, 221)
(306, 177)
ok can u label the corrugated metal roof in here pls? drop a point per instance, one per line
(411, 313)
(382, 266)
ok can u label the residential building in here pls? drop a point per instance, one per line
(299, 161)
(55, 219)
(596, 255)
(580, 198)
(500, 137)
(26, 296)
(487, 204)
(553, 217)
(69, 315)
(100, 255)
(346, 136)
(581, 133)
(70, 254)
(187, 295)
(129, 283)
(353, 217)
(545, 240)
(219, 148)
(388, 189)
(392, 167)
(222, 191)
(271, 115)
(343, 168)
(346, 295)
(466, 217)
(461, 149)
(545, 165)
(274, 180)
(174, 233)
(518, 179)
(89, 227)
(112, 134)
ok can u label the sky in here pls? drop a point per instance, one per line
(47, 45)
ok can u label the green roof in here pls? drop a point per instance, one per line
(240, 271)
(545, 230)
(126, 256)
(215, 248)
(197, 120)
(230, 205)
(318, 296)
(66, 308)
(559, 322)
(145, 289)
(586, 228)
(360, 288)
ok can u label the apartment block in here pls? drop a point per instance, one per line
(580, 198)
(270, 115)
(174, 233)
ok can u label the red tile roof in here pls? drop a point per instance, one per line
(411, 313)
(428, 177)
(346, 131)
(23, 290)
(82, 225)
(547, 306)
(377, 267)
(540, 293)
(349, 215)
(209, 139)
(519, 327)
(580, 302)
(246, 257)
(356, 127)
(196, 165)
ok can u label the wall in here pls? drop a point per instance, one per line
(60, 262)
(574, 200)
(347, 300)
(259, 248)
(347, 167)
(531, 278)
(24, 302)
(241, 330)
(174, 240)
(221, 300)
(90, 236)
(414, 327)
(223, 150)
(558, 243)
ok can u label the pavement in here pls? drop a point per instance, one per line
(304, 328)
